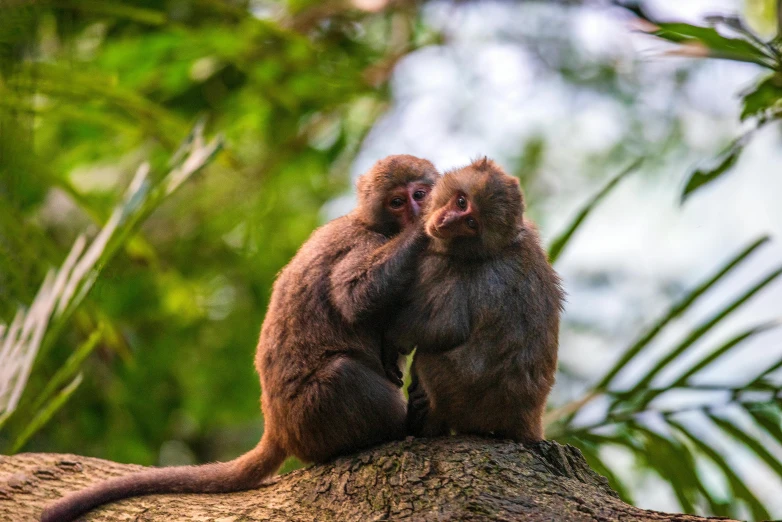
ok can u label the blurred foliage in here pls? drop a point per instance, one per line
(672, 452)
(152, 363)
(31, 331)
(89, 90)
(749, 412)
(731, 38)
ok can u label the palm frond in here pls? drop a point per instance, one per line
(43, 416)
(749, 442)
(739, 489)
(677, 310)
(64, 289)
(673, 456)
(562, 240)
(704, 328)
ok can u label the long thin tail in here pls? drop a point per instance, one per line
(245, 472)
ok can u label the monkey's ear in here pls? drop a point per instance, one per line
(363, 184)
(483, 163)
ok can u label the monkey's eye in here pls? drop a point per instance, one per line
(472, 223)
(397, 203)
(461, 202)
(418, 195)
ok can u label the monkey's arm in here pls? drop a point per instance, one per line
(371, 276)
(431, 323)
(389, 356)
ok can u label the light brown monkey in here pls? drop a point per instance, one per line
(483, 312)
(326, 391)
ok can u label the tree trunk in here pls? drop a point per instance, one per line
(456, 478)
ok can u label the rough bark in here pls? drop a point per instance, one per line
(457, 478)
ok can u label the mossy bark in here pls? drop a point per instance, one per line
(455, 478)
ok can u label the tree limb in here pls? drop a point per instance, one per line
(455, 478)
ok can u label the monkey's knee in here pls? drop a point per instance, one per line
(350, 408)
(375, 405)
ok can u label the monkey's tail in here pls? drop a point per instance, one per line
(245, 472)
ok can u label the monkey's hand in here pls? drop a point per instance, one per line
(394, 375)
(390, 359)
(370, 277)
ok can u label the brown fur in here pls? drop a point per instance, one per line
(483, 312)
(325, 389)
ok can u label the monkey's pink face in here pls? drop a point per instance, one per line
(457, 218)
(406, 202)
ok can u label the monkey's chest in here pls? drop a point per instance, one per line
(462, 373)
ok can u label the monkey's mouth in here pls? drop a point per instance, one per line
(433, 229)
(443, 226)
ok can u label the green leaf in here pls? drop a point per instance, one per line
(750, 443)
(69, 368)
(78, 88)
(589, 444)
(762, 375)
(44, 415)
(60, 294)
(726, 347)
(724, 162)
(701, 330)
(736, 23)
(676, 310)
(765, 98)
(561, 241)
(740, 490)
(769, 418)
(676, 465)
(713, 43)
(648, 395)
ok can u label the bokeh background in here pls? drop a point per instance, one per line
(567, 95)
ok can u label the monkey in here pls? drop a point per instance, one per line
(483, 312)
(326, 389)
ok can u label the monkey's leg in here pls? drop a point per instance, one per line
(434, 426)
(422, 420)
(346, 407)
(417, 404)
(528, 427)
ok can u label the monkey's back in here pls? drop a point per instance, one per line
(498, 380)
(302, 324)
(324, 390)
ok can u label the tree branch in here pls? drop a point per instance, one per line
(456, 478)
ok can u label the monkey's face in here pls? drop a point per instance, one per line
(477, 205)
(395, 191)
(406, 202)
(459, 217)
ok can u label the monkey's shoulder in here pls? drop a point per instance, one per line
(348, 232)
(333, 240)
